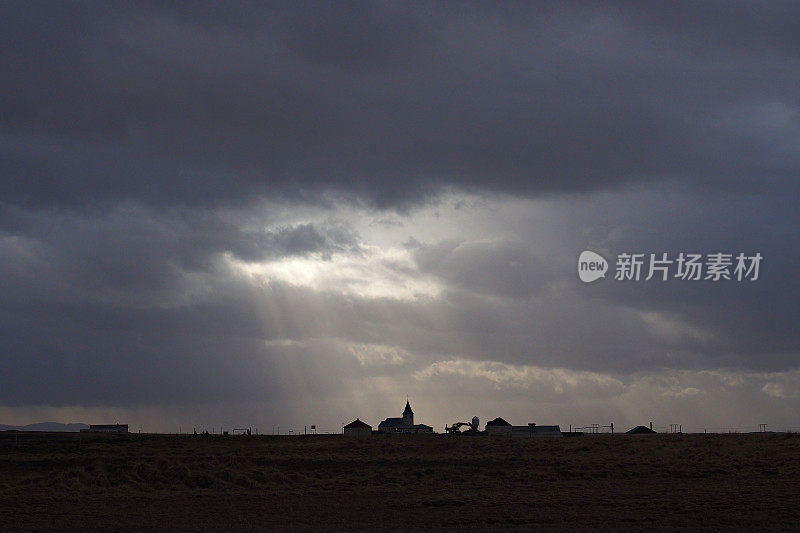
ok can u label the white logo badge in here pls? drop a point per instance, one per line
(591, 266)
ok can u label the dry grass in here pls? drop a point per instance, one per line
(425, 482)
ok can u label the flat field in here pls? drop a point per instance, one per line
(168, 482)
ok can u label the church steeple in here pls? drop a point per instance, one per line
(408, 415)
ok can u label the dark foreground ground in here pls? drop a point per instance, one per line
(58, 482)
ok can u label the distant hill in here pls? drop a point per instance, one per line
(46, 426)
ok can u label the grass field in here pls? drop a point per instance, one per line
(161, 482)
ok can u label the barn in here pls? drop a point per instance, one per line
(357, 428)
(498, 426)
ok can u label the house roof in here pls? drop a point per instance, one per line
(357, 424)
(497, 422)
(641, 429)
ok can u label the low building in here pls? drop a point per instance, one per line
(404, 424)
(498, 426)
(357, 428)
(532, 430)
(106, 428)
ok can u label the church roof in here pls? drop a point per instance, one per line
(391, 422)
(407, 410)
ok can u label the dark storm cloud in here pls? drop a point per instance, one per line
(193, 103)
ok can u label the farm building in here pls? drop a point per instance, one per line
(532, 430)
(498, 426)
(357, 428)
(404, 424)
(106, 428)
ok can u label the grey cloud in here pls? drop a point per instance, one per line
(504, 268)
(135, 256)
(389, 103)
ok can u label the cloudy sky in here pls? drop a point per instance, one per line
(279, 214)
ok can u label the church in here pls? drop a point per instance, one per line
(404, 424)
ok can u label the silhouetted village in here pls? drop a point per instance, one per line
(497, 427)
(406, 425)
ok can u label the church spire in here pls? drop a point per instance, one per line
(408, 415)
